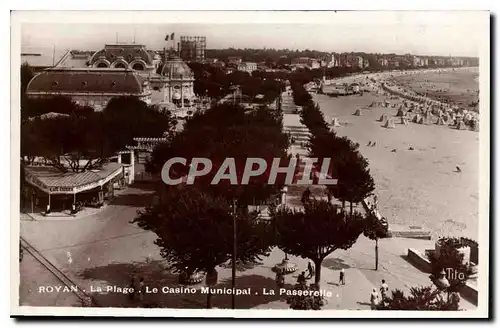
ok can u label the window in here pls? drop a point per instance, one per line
(102, 65)
(84, 84)
(120, 65)
(138, 67)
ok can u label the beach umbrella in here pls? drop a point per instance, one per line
(383, 118)
(389, 124)
(461, 125)
(440, 121)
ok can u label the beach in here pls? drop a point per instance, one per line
(421, 186)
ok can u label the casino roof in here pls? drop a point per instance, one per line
(87, 80)
(176, 68)
(127, 52)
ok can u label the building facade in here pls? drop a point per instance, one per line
(248, 67)
(174, 84)
(93, 87)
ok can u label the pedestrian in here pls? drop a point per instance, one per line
(132, 290)
(306, 195)
(310, 270)
(302, 278)
(384, 290)
(374, 299)
(342, 277)
(142, 289)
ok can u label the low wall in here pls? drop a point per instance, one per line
(419, 260)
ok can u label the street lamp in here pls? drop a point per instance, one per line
(233, 260)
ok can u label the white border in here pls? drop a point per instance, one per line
(237, 17)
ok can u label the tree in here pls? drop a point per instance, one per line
(420, 298)
(195, 231)
(126, 118)
(375, 230)
(227, 131)
(315, 232)
(305, 297)
(355, 182)
(74, 141)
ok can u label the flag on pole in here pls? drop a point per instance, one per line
(166, 38)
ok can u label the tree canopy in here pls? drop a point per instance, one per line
(227, 131)
(316, 231)
(195, 230)
(83, 140)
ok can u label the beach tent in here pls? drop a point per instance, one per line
(422, 120)
(400, 113)
(416, 118)
(404, 120)
(335, 122)
(440, 121)
(461, 125)
(389, 124)
(383, 118)
(358, 112)
(476, 125)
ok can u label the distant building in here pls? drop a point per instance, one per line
(234, 60)
(192, 48)
(310, 63)
(350, 60)
(248, 67)
(330, 60)
(93, 87)
(366, 63)
(383, 62)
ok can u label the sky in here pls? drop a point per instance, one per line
(421, 33)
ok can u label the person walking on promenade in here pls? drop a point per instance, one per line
(280, 279)
(342, 277)
(384, 290)
(310, 270)
(133, 289)
(142, 289)
(302, 278)
(374, 299)
(306, 195)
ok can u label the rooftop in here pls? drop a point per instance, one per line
(87, 80)
(50, 177)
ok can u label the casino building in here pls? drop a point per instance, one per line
(93, 78)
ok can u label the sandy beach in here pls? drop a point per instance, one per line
(455, 86)
(415, 187)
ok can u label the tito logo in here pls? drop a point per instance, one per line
(301, 172)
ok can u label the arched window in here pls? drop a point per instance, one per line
(138, 67)
(102, 65)
(120, 65)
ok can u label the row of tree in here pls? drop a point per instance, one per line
(83, 138)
